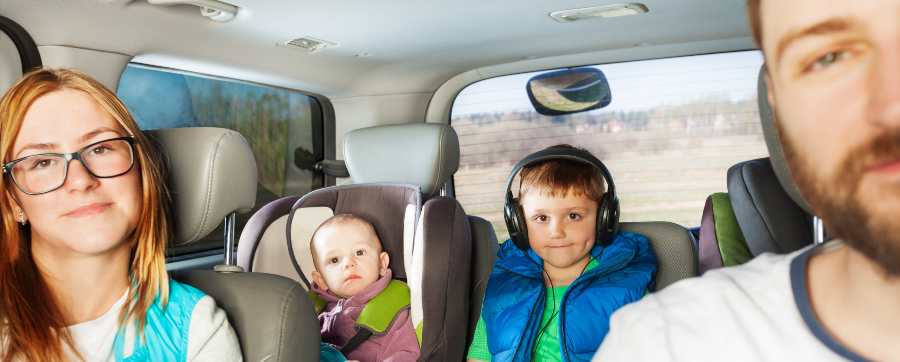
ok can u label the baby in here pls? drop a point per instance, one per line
(351, 278)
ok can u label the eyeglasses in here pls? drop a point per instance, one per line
(45, 172)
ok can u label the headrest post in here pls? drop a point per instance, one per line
(818, 230)
(230, 265)
(229, 239)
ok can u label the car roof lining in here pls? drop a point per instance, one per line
(414, 47)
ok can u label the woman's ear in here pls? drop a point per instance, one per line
(318, 281)
(385, 260)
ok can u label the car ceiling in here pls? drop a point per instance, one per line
(413, 46)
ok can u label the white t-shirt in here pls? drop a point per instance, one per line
(210, 337)
(758, 311)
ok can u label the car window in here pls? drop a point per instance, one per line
(673, 128)
(278, 123)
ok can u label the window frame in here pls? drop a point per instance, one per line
(449, 188)
(323, 142)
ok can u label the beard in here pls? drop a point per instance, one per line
(849, 211)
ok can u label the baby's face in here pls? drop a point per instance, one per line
(349, 258)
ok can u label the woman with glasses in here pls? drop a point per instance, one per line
(83, 235)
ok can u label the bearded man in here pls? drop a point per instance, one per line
(833, 80)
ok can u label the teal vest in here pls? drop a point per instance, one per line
(166, 330)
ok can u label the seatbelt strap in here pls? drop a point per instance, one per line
(361, 336)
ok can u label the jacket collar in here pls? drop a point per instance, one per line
(527, 263)
(361, 298)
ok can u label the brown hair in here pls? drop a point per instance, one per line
(557, 177)
(32, 322)
(334, 220)
(755, 21)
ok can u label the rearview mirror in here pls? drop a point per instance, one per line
(569, 91)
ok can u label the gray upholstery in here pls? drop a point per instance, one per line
(18, 53)
(212, 173)
(674, 247)
(10, 64)
(773, 142)
(273, 316)
(440, 292)
(484, 252)
(384, 205)
(768, 218)
(445, 269)
(432, 242)
(423, 154)
(259, 227)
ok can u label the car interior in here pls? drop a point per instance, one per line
(274, 115)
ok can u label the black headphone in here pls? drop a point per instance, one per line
(607, 210)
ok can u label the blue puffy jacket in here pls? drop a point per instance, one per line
(515, 298)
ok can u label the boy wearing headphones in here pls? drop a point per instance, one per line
(566, 267)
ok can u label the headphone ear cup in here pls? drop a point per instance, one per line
(602, 232)
(522, 228)
(512, 214)
(613, 219)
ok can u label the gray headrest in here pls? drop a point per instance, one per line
(768, 218)
(423, 154)
(211, 172)
(10, 64)
(773, 142)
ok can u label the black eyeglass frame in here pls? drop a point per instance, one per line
(7, 167)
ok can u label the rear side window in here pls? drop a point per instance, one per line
(673, 128)
(278, 123)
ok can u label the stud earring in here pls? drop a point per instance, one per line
(21, 217)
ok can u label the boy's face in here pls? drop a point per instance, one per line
(561, 229)
(348, 258)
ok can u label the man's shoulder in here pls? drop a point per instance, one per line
(725, 313)
(763, 280)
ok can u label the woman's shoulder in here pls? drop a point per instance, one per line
(184, 292)
(180, 304)
(209, 332)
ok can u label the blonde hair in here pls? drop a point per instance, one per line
(34, 327)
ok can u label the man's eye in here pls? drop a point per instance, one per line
(333, 261)
(574, 216)
(360, 252)
(827, 60)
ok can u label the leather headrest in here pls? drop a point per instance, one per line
(769, 220)
(773, 142)
(211, 173)
(10, 64)
(423, 154)
(18, 53)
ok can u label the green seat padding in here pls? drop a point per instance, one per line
(731, 240)
(379, 312)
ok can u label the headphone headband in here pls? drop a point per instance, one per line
(559, 153)
(607, 208)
